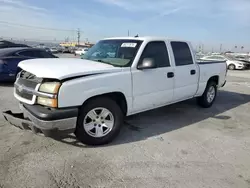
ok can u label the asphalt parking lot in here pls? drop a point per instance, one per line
(181, 145)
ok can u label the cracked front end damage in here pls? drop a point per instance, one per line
(19, 120)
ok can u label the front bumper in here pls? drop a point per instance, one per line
(240, 67)
(247, 66)
(40, 119)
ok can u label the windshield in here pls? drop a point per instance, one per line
(120, 53)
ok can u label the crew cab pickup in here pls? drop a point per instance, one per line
(117, 77)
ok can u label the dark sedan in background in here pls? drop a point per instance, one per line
(10, 57)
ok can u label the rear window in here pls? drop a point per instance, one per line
(182, 53)
(7, 52)
(36, 54)
(44, 54)
(27, 53)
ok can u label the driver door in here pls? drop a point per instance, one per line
(153, 87)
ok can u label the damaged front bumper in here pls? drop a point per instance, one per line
(50, 122)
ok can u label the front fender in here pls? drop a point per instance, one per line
(75, 92)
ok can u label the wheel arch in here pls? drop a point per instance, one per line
(214, 78)
(117, 96)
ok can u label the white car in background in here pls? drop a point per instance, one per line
(81, 51)
(232, 64)
(53, 50)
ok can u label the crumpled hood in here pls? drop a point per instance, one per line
(62, 68)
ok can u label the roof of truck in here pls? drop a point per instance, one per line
(144, 38)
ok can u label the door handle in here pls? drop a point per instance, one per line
(192, 72)
(170, 74)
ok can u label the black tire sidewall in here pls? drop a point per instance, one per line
(203, 101)
(231, 65)
(104, 102)
(215, 89)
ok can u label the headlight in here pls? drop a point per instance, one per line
(47, 102)
(50, 87)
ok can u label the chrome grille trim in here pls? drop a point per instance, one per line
(33, 91)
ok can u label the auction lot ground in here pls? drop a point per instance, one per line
(181, 145)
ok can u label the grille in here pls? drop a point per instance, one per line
(28, 83)
(24, 95)
(26, 80)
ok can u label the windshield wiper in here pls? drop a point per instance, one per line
(100, 60)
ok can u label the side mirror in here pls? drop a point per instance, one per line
(147, 63)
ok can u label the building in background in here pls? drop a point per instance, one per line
(76, 45)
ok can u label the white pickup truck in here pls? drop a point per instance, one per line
(117, 77)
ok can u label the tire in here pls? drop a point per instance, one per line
(89, 128)
(206, 101)
(231, 67)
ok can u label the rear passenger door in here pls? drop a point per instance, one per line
(186, 71)
(153, 87)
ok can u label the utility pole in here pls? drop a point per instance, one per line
(78, 36)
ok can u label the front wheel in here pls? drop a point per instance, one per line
(209, 95)
(99, 121)
(231, 67)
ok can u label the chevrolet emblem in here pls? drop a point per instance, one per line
(20, 88)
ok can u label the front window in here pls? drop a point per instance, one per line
(119, 53)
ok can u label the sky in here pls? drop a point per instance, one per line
(207, 22)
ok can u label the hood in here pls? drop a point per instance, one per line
(62, 68)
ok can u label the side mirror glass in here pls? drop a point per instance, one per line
(147, 63)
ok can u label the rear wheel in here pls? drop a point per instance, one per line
(99, 121)
(209, 95)
(231, 67)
